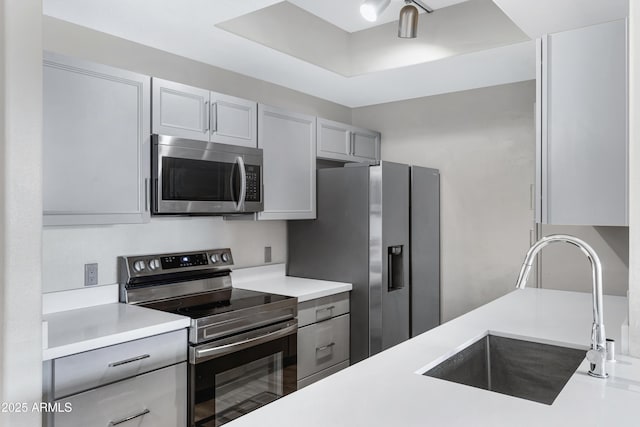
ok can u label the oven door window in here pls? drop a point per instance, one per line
(236, 384)
(199, 180)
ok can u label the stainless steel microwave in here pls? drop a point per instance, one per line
(204, 178)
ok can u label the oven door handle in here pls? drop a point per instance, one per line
(243, 183)
(202, 354)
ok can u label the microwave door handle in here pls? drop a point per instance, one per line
(243, 182)
(234, 199)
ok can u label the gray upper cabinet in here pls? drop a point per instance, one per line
(582, 147)
(180, 110)
(194, 113)
(334, 140)
(233, 120)
(343, 142)
(288, 141)
(96, 143)
(366, 145)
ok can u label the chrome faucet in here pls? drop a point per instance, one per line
(598, 353)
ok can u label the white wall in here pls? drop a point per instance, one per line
(67, 249)
(483, 143)
(634, 178)
(565, 267)
(20, 208)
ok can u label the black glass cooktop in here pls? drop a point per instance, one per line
(217, 302)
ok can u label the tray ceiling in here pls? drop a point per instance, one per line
(424, 66)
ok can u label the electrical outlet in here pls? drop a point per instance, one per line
(91, 274)
(267, 254)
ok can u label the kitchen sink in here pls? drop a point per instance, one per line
(519, 368)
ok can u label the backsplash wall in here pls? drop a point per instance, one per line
(67, 249)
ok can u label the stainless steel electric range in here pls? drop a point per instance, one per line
(242, 344)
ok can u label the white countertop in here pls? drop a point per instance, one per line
(388, 390)
(83, 329)
(73, 330)
(272, 279)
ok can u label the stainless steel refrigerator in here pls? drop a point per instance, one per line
(377, 227)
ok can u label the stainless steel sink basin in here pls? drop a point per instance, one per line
(518, 368)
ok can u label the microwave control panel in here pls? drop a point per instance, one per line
(254, 186)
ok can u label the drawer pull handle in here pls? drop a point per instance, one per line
(133, 359)
(325, 347)
(331, 307)
(132, 417)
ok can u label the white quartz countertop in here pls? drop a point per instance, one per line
(388, 390)
(83, 329)
(272, 279)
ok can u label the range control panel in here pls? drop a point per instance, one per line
(148, 265)
(186, 260)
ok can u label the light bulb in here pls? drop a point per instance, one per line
(368, 12)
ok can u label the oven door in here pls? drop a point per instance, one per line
(197, 177)
(231, 377)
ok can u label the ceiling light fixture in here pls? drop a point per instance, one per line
(408, 20)
(371, 9)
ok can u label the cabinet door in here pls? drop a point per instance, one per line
(289, 143)
(156, 399)
(334, 140)
(180, 110)
(233, 120)
(96, 143)
(342, 142)
(584, 126)
(322, 345)
(366, 145)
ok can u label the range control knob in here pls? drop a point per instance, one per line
(225, 257)
(154, 264)
(139, 266)
(214, 258)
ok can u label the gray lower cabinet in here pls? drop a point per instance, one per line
(143, 382)
(582, 146)
(347, 143)
(323, 337)
(155, 399)
(96, 138)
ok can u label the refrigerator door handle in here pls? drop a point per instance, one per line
(395, 268)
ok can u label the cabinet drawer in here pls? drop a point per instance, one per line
(155, 399)
(94, 368)
(324, 308)
(322, 374)
(322, 345)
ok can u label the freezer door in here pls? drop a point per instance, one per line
(389, 255)
(425, 249)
